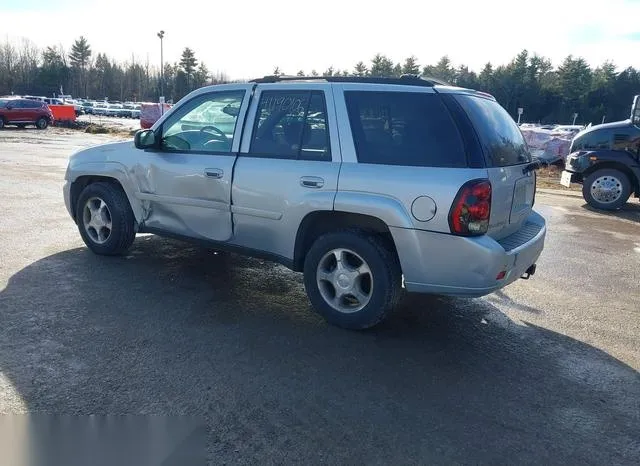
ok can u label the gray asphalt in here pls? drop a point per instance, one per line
(544, 372)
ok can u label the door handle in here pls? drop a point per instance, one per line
(214, 173)
(311, 182)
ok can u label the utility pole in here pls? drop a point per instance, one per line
(161, 36)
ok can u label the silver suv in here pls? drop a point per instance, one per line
(367, 185)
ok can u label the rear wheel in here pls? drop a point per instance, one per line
(1, 123)
(352, 278)
(606, 189)
(42, 123)
(105, 219)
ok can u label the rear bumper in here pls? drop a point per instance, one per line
(457, 266)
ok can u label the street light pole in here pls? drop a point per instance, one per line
(161, 36)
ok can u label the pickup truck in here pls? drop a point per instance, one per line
(605, 160)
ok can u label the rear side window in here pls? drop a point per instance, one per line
(291, 124)
(31, 104)
(404, 128)
(501, 139)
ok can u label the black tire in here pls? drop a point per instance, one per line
(42, 123)
(1, 122)
(612, 175)
(386, 276)
(122, 231)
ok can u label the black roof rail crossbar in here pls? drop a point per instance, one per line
(408, 79)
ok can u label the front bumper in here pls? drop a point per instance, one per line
(573, 177)
(459, 266)
(66, 192)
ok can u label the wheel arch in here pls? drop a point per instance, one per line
(318, 223)
(82, 181)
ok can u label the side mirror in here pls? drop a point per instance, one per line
(145, 139)
(9, 107)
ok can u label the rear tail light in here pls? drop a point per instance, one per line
(470, 212)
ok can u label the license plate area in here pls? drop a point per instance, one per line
(523, 192)
(565, 179)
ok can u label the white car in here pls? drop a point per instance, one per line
(100, 108)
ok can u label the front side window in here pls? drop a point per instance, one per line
(404, 128)
(291, 124)
(206, 123)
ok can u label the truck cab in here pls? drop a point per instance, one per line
(605, 159)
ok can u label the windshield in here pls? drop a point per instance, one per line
(501, 139)
(3, 103)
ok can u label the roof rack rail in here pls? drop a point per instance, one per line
(405, 79)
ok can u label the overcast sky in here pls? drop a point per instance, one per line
(247, 38)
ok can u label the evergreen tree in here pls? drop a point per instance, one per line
(188, 64)
(329, 71)
(201, 77)
(79, 59)
(381, 66)
(360, 69)
(411, 66)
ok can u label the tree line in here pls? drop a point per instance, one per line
(26, 69)
(529, 81)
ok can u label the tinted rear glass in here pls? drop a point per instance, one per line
(31, 104)
(501, 139)
(404, 128)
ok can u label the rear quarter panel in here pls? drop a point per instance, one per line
(389, 191)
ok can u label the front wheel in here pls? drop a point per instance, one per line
(42, 123)
(1, 123)
(353, 278)
(105, 219)
(606, 189)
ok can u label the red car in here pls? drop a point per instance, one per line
(23, 112)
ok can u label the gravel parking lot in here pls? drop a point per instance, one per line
(544, 372)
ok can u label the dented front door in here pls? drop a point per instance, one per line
(185, 186)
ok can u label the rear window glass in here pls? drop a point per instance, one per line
(292, 124)
(404, 128)
(500, 136)
(31, 104)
